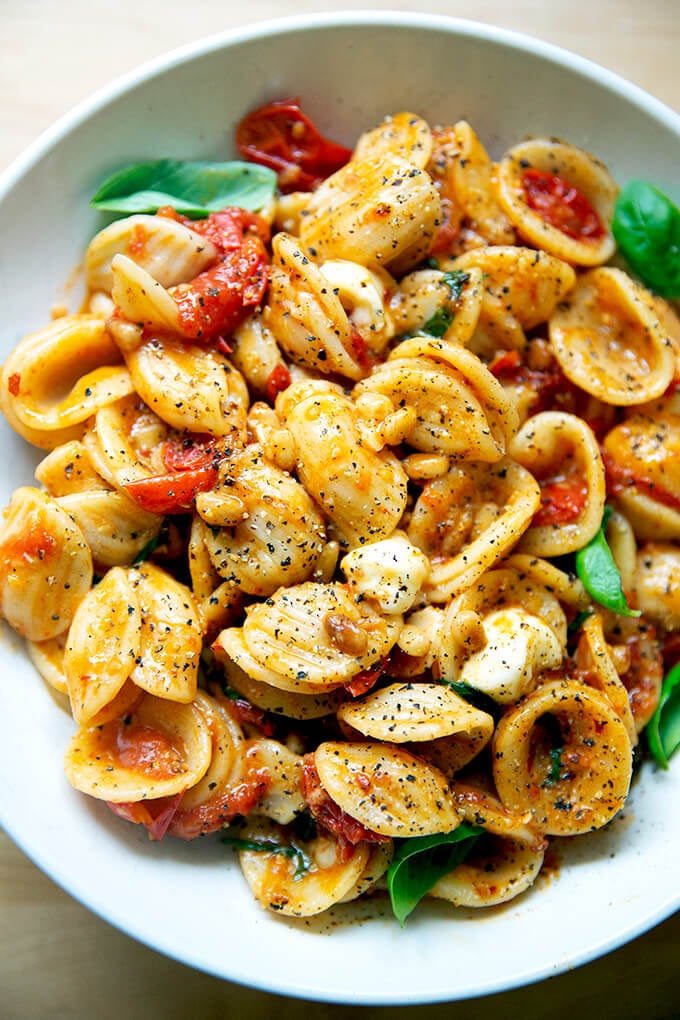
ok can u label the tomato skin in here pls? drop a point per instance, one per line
(620, 479)
(189, 453)
(365, 680)
(155, 815)
(219, 299)
(173, 493)
(330, 815)
(562, 502)
(214, 814)
(562, 205)
(280, 136)
(278, 381)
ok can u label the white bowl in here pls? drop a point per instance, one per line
(190, 901)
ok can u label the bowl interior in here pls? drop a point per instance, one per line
(190, 901)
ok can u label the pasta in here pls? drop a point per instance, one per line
(301, 554)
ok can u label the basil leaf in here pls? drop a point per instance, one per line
(438, 323)
(302, 861)
(600, 576)
(420, 862)
(663, 729)
(192, 188)
(646, 226)
(455, 281)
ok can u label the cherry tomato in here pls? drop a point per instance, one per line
(562, 502)
(220, 297)
(620, 478)
(280, 136)
(155, 815)
(330, 815)
(212, 815)
(189, 452)
(278, 381)
(173, 493)
(561, 205)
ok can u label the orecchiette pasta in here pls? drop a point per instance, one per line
(302, 562)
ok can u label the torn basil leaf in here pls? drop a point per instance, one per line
(663, 729)
(646, 226)
(599, 574)
(192, 188)
(420, 862)
(302, 861)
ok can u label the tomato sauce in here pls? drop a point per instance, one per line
(562, 205)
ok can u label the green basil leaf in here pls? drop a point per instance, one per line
(420, 862)
(600, 576)
(663, 729)
(455, 281)
(192, 188)
(646, 226)
(438, 323)
(302, 861)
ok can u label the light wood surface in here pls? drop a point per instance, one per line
(56, 959)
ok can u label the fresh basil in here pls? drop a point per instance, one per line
(302, 861)
(420, 862)
(438, 323)
(599, 574)
(646, 226)
(455, 281)
(193, 188)
(663, 729)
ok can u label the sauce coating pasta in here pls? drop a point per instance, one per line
(301, 551)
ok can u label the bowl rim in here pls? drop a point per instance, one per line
(124, 83)
(506, 37)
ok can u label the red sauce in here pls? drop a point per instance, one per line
(562, 205)
(35, 543)
(14, 383)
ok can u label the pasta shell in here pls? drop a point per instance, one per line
(170, 251)
(595, 755)
(378, 212)
(115, 527)
(256, 354)
(48, 659)
(123, 442)
(46, 565)
(363, 493)
(608, 339)
(191, 388)
(290, 704)
(577, 167)
(594, 659)
(306, 878)
(642, 456)
(658, 595)
(159, 750)
(283, 800)
(415, 712)
(55, 379)
(505, 863)
(140, 298)
(460, 408)
(226, 759)
(468, 520)
(306, 316)
(387, 789)
(279, 533)
(403, 133)
(562, 453)
(68, 469)
(171, 635)
(310, 637)
(103, 644)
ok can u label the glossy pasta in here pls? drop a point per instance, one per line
(307, 578)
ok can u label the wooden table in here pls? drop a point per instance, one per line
(58, 961)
